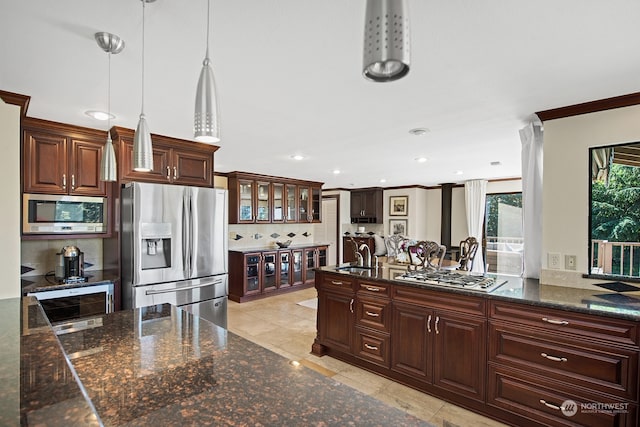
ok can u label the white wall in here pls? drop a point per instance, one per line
(10, 196)
(566, 181)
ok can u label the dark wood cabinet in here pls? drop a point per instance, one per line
(442, 347)
(259, 273)
(175, 161)
(366, 206)
(540, 358)
(62, 159)
(266, 199)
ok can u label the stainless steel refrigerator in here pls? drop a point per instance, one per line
(174, 248)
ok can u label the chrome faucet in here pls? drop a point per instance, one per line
(367, 261)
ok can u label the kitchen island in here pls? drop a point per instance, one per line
(160, 365)
(522, 353)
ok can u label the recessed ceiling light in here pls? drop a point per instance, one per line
(99, 115)
(458, 172)
(421, 159)
(336, 171)
(297, 157)
(496, 163)
(383, 180)
(418, 131)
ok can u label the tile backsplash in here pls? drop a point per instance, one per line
(242, 236)
(39, 256)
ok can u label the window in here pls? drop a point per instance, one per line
(503, 233)
(614, 220)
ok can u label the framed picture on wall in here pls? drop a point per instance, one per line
(398, 205)
(398, 226)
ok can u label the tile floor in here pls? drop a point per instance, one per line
(281, 325)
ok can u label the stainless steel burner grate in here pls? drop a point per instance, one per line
(453, 279)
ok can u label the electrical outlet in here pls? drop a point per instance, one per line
(554, 260)
(570, 262)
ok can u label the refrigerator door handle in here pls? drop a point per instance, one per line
(182, 288)
(186, 236)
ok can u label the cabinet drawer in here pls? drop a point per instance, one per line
(372, 346)
(569, 323)
(594, 366)
(374, 289)
(554, 404)
(373, 313)
(337, 281)
(434, 299)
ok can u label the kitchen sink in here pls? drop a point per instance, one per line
(355, 269)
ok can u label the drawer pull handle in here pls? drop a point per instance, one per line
(372, 289)
(437, 321)
(372, 314)
(351, 305)
(554, 358)
(370, 347)
(550, 405)
(336, 282)
(555, 322)
(429, 324)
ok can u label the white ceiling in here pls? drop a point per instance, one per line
(289, 81)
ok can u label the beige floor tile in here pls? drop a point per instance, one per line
(280, 325)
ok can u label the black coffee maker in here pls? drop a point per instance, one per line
(70, 267)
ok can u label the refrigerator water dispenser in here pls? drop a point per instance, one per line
(155, 245)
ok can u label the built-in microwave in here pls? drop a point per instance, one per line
(53, 214)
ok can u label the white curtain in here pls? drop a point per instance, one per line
(601, 159)
(531, 138)
(475, 194)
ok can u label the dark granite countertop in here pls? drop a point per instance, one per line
(160, 365)
(609, 298)
(49, 283)
(275, 248)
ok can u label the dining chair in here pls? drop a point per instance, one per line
(468, 249)
(426, 254)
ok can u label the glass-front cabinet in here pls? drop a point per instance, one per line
(292, 203)
(263, 201)
(256, 272)
(278, 202)
(303, 204)
(252, 274)
(314, 257)
(285, 269)
(245, 211)
(269, 271)
(297, 267)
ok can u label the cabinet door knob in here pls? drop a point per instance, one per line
(73, 182)
(175, 172)
(168, 172)
(429, 324)
(64, 181)
(437, 321)
(351, 305)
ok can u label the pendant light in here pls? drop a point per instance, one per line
(206, 122)
(142, 149)
(386, 40)
(111, 44)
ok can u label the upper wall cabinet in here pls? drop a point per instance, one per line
(62, 159)
(366, 206)
(175, 161)
(259, 199)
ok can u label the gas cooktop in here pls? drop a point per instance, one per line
(454, 279)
